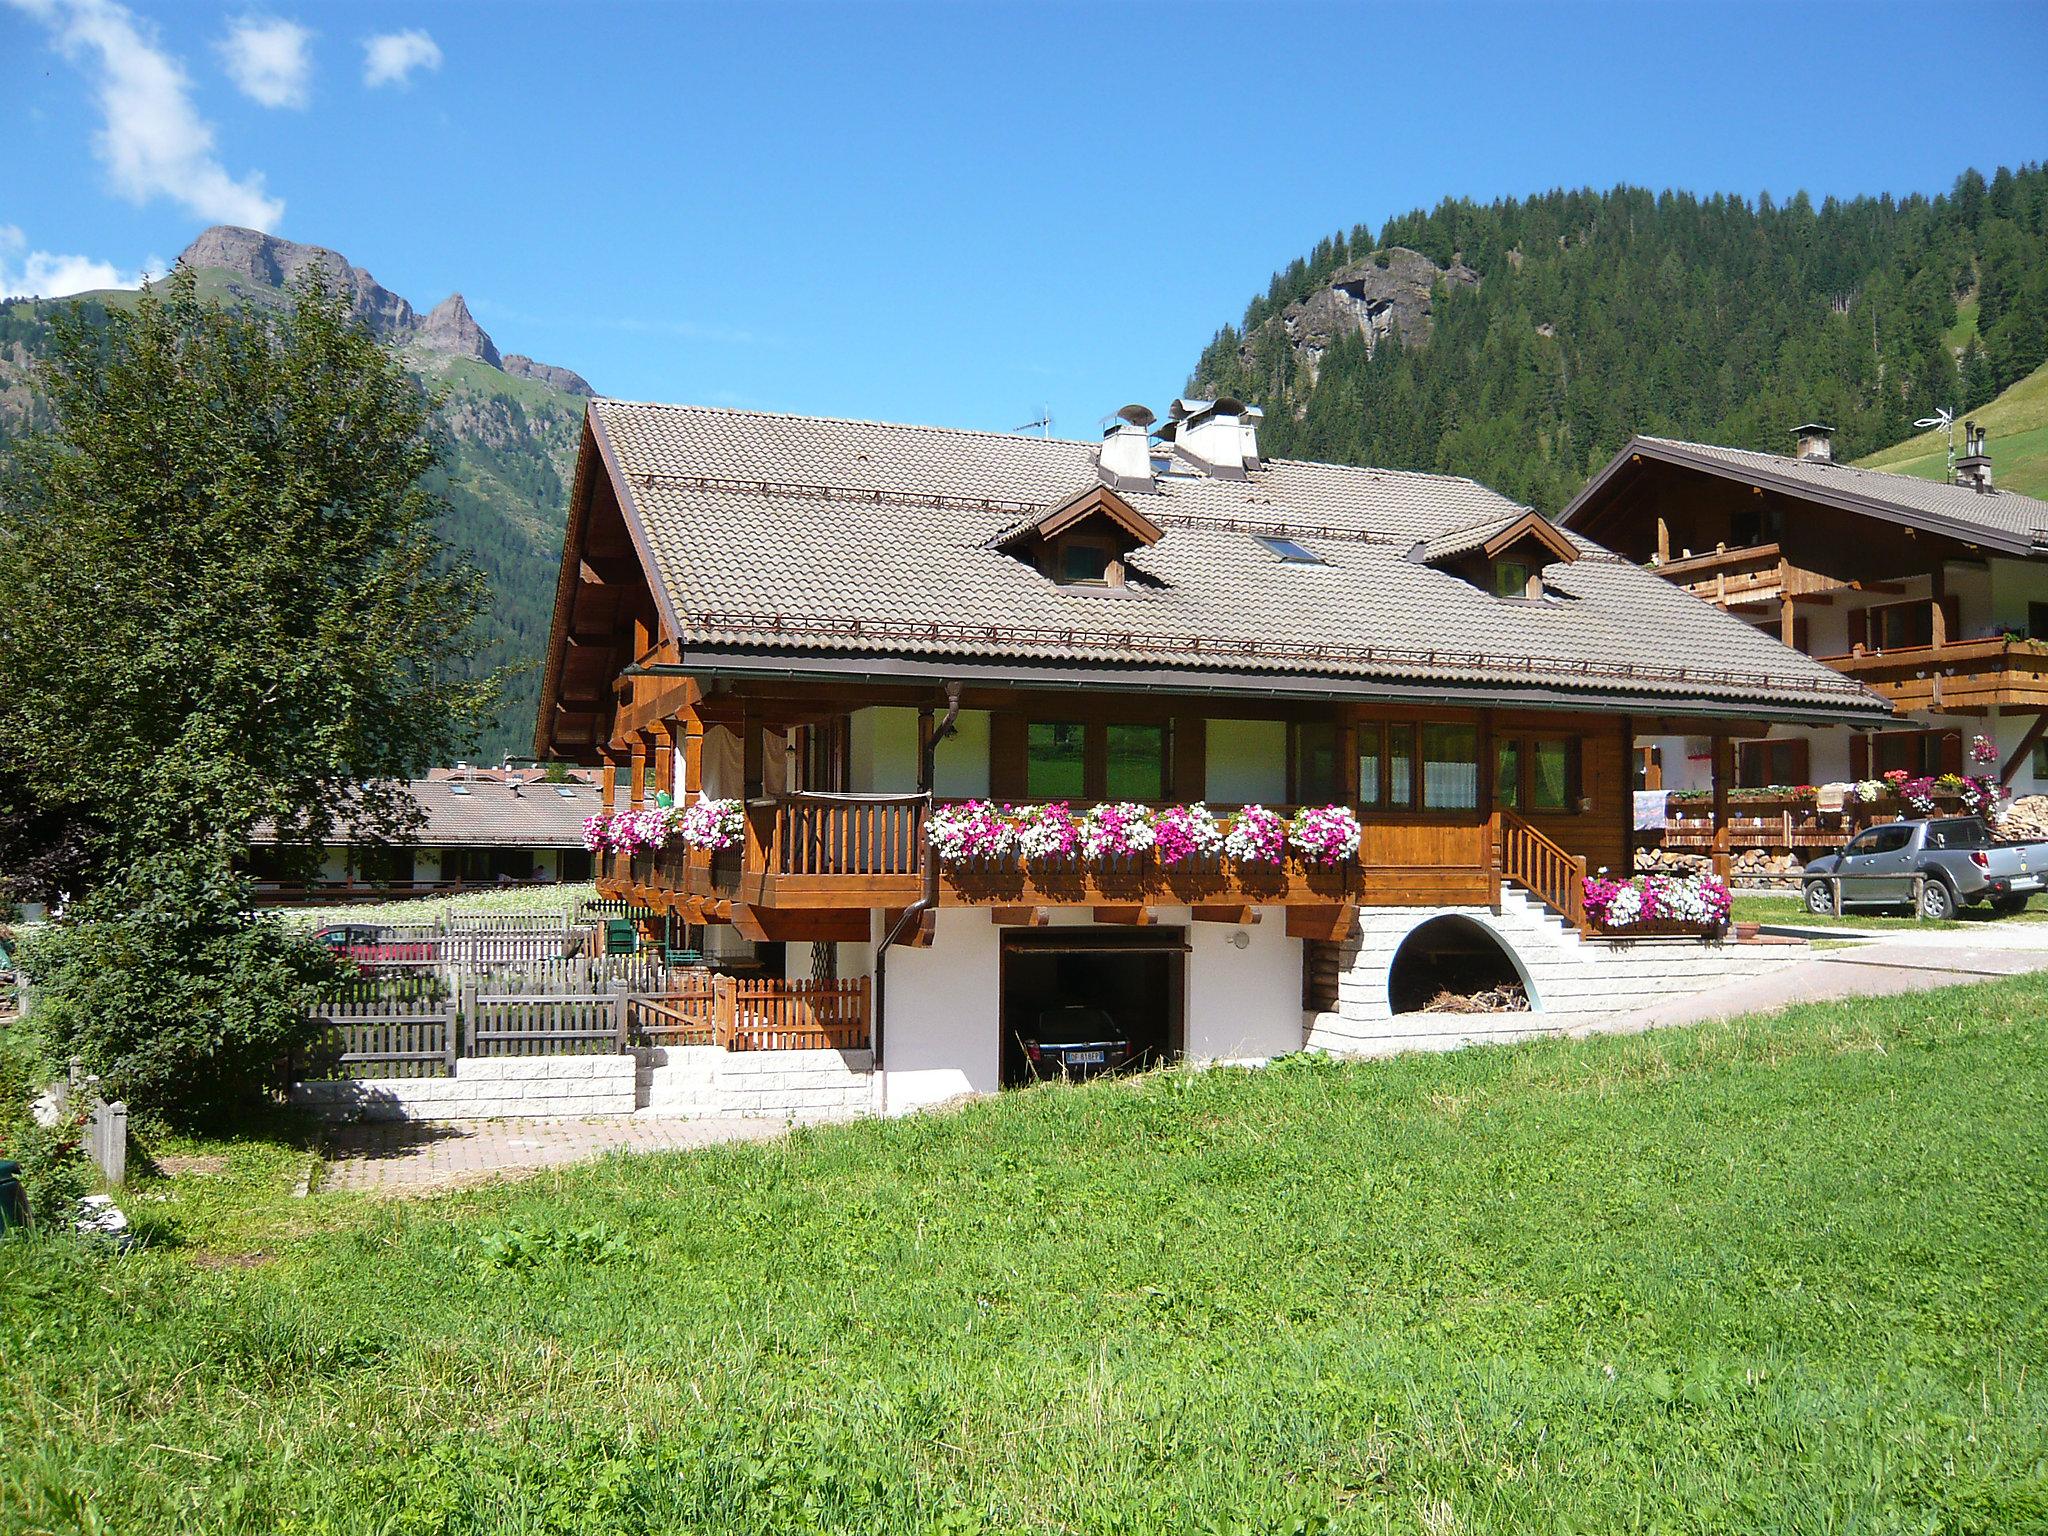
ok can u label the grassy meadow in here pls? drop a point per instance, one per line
(2017, 427)
(1771, 1275)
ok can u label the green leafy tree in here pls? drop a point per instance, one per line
(223, 600)
(164, 984)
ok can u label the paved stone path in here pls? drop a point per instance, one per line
(418, 1158)
(1877, 968)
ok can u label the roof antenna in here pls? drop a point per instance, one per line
(1946, 420)
(1042, 426)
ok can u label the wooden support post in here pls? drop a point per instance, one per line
(664, 748)
(1663, 540)
(1937, 619)
(1724, 770)
(2027, 744)
(610, 780)
(693, 757)
(637, 782)
(724, 1010)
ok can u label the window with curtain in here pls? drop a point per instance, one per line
(1401, 766)
(1507, 773)
(1135, 765)
(1055, 760)
(1369, 758)
(1553, 775)
(1450, 767)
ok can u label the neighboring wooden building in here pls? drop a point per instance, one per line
(1933, 594)
(839, 622)
(479, 829)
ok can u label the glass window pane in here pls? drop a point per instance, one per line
(1137, 762)
(1511, 578)
(1315, 762)
(1507, 774)
(1083, 562)
(1550, 777)
(1401, 765)
(1053, 751)
(1450, 767)
(1368, 765)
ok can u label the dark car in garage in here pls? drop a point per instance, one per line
(1075, 1042)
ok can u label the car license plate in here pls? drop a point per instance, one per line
(1085, 1058)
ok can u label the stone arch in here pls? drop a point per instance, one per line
(1453, 949)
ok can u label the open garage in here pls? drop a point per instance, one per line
(1071, 993)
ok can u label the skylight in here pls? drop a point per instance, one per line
(1288, 550)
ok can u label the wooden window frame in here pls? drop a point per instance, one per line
(1525, 742)
(1751, 756)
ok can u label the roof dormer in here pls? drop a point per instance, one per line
(1084, 540)
(1505, 557)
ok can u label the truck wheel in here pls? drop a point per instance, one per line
(1820, 900)
(2009, 906)
(1937, 901)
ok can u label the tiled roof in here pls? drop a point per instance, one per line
(1462, 541)
(486, 814)
(805, 534)
(1935, 505)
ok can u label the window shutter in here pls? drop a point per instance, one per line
(1802, 762)
(1859, 756)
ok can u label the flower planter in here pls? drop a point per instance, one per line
(1666, 928)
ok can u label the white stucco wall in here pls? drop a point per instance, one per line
(1242, 1004)
(944, 1009)
(882, 756)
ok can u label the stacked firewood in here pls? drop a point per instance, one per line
(1505, 998)
(2026, 820)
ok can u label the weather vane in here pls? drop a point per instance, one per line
(1946, 420)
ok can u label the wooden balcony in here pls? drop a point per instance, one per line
(1753, 574)
(1971, 675)
(835, 853)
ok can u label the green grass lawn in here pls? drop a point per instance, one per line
(1778, 1275)
(2017, 424)
(1791, 909)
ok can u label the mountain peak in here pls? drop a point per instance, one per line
(451, 329)
(447, 330)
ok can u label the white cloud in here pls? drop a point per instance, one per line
(46, 275)
(270, 60)
(389, 58)
(154, 143)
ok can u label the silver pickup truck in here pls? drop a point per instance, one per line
(1961, 862)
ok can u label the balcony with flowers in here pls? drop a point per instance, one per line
(835, 851)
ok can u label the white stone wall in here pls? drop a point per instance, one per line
(1568, 977)
(803, 1087)
(942, 1034)
(485, 1088)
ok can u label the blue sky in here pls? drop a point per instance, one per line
(948, 213)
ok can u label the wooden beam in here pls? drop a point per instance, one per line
(922, 932)
(1329, 923)
(2027, 744)
(800, 925)
(1129, 917)
(1242, 917)
(1020, 917)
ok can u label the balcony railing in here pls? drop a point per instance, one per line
(1958, 673)
(840, 851)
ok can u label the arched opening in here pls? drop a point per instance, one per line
(1453, 964)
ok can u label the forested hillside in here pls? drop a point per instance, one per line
(1548, 329)
(511, 441)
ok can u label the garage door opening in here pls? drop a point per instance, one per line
(1081, 1002)
(1453, 965)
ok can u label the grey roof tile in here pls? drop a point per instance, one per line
(793, 533)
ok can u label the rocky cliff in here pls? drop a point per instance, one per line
(263, 261)
(1391, 292)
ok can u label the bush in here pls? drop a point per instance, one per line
(165, 985)
(54, 1168)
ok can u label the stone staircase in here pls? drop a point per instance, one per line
(1571, 978)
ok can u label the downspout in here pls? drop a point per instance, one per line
(928, 898)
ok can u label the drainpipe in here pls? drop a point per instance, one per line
(928, 898)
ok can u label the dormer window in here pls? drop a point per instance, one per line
(1505, 557)
(1084, 540)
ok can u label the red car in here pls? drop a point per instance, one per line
(368, 945)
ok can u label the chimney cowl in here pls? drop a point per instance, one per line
(1220, 436)
(1124, 461)
(1815, 442)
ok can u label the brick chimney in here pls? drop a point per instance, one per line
(1814, 442)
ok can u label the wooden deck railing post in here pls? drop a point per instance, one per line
(724, 1010)
(467, 998)
(621, 1019)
